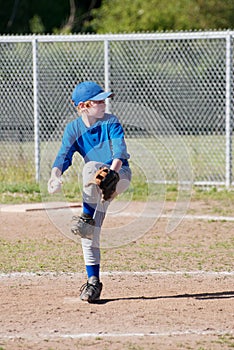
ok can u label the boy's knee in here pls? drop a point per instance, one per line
(90, 169)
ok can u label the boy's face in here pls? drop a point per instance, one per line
(97, 109)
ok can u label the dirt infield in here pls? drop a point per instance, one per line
(162, 291)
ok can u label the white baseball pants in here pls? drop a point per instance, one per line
(92, 196)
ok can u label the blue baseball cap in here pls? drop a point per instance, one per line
(89, 91)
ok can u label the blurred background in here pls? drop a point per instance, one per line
(115, 16)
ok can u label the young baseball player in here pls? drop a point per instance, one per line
(99, 138)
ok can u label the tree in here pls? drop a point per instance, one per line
(105, 16)
(159, 15)
(45, 16)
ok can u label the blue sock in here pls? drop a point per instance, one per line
(93, 270)
(87, 209)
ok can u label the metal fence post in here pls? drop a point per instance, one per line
(106, 70)
(228, 113)
(36, 114)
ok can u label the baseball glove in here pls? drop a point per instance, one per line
(107, 180)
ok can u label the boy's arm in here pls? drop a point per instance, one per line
(116, 165)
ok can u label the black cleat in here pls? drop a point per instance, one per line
(83, 226)
(91, 290)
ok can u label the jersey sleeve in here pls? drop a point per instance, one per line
(119, 148)
(68, 147)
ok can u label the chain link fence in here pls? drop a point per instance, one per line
(173, 95)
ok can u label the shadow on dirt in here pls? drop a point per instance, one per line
(200, 296)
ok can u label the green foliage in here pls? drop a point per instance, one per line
(36, 25)
(26, 16)
(114, 16)
(157, 15)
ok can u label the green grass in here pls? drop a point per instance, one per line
(39, 255)
(159, 157)
(226, 339)
(61, 254)
(29, 192)
(205, 154)
(16, 193)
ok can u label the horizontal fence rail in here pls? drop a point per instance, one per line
(173, 95)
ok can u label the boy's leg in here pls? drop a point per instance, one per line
(96, 209)
(91, 252)
(91, 247)
(125, 175)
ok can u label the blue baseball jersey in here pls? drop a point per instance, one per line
(101, 142)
